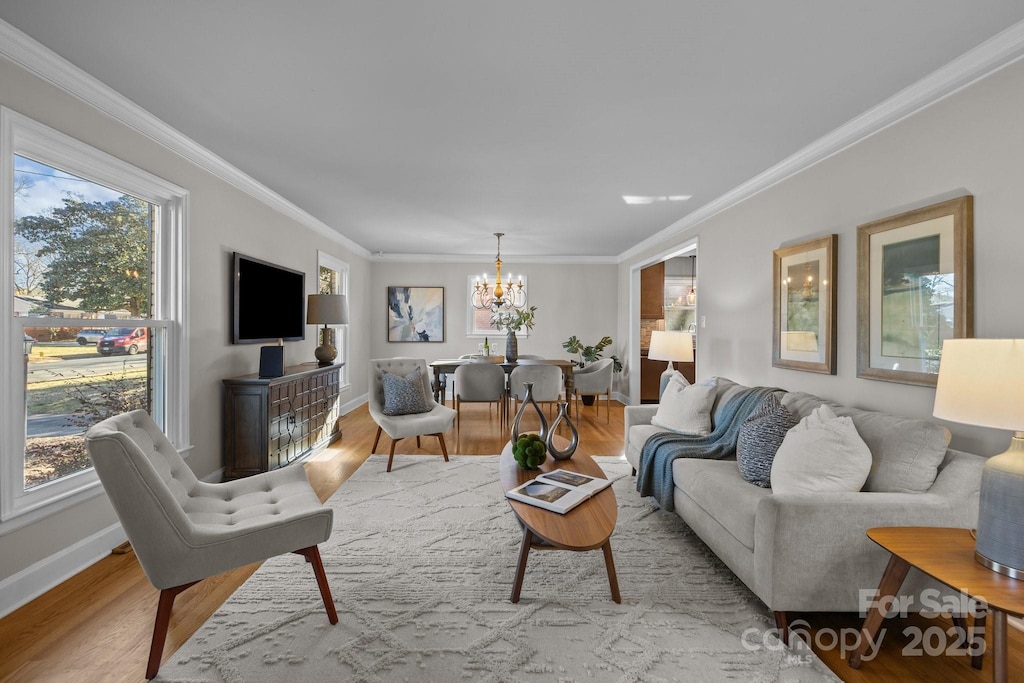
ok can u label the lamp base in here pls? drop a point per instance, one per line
(325, 355)
(665, 377)
(1000, 541)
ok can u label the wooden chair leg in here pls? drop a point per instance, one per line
(782, 624)
(391, 455)
(312, 555)
(444, 448)
(163, 621)
(374, 449)
(418, 442)
(608, 407)
(458, 416)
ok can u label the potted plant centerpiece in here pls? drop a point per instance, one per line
(588, 354)
(512, 322)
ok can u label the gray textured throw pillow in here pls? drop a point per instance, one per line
(404, 395)
(760, 437)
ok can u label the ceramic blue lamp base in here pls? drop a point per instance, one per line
(1000, 542)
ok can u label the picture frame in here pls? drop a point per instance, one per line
(804, 305)
(915, 288)
(415, 314)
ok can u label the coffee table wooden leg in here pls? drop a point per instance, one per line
(891, 581)
(524, 552)
(999, 646)
(609, 564)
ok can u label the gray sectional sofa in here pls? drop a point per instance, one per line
(809, 552)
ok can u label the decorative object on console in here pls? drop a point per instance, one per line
(326, 309)
(415, 314)
(670, 346)
(804, 306)
(981, 382)
(909, 268)
(529, 402)
(497, 299)
(563, 418)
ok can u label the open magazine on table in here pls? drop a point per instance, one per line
(558, 490)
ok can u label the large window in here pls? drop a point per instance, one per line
(333, 279)
(95, 316)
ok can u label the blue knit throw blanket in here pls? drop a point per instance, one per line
(654, 475)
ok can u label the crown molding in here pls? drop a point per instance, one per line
(378, 257)
(39, 60)
(994, 54)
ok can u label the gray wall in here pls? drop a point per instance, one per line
(222, 219)
(971, 142)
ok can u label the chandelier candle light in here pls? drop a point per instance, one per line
(498, 299)
(670, 346)
(326, 309)
(981, 382)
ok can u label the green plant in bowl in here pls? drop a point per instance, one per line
(530, 451)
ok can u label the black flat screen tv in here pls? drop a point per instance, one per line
(268, 302)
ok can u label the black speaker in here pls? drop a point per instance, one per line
(271, 361)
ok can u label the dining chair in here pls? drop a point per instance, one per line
(594, 380)
(407, 408)
(529, 356)
(184, 530)
(547, 384)
(480, 383)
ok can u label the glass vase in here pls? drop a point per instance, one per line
(574, 441)
(526, 404)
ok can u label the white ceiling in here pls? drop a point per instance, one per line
(421, 127)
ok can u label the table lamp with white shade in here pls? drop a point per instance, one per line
(670, 346)
(326, 309)
(981, 382)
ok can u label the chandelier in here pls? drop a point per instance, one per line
(498, 299)
(691, 296)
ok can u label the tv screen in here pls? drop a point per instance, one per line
(269, 302)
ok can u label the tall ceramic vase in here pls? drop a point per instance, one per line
(574, 441)
(527, 404)
(511, 347)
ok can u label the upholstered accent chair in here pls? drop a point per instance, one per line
(595, 380)
(433, 421)
(184, 530)
(547, 384)
(480, 383)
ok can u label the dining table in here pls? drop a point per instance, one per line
(442, 367)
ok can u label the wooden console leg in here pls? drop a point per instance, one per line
(782, 625)
(609, 565)
(891, 581)
(524, 552)
(312, 555)
(163, 621)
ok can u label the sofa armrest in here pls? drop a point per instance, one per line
(639, 415)
(812, 552)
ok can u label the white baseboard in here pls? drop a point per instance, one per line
(348, 407)
(31, 582)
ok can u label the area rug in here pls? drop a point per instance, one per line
(421, 564)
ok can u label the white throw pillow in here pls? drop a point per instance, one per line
(685, 408)
(822, 453)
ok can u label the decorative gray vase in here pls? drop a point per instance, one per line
(511, 347)
(563, 416)
(527, 402)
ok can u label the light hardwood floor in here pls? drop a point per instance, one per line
(97, 625)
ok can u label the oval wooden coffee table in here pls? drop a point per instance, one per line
(586, 527)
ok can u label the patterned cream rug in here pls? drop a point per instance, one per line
(421, 563)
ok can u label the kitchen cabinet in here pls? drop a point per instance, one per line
(652, 291)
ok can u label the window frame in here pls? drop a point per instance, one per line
(20, 135)
(341, 336)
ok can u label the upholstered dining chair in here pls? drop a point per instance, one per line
(184, 530)
(480, 383)
(547, 384)
(594, 380)
(407, 408)
(528, 356)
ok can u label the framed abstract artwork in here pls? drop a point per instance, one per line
(415, 314)
(804, 309)
(915, 289)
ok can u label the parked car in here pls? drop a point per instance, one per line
(89, 336)
(128, 340)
